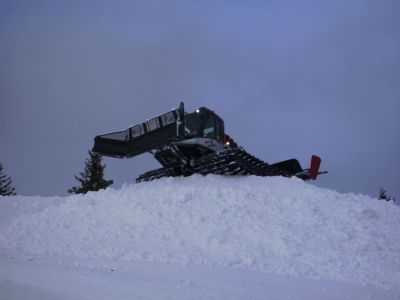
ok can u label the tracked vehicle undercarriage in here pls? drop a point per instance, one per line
(189, 143)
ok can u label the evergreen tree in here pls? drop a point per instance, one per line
(6, 188)
(384, 196)
(92, 178)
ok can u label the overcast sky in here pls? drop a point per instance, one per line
(290, 79)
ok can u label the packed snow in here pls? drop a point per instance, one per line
(201, 237)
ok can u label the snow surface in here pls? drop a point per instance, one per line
(201, 237)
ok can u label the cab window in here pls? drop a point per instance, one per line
(193, 123)
(209, 126)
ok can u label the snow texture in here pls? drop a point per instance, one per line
(274, 225)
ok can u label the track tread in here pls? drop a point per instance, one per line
(227, 162)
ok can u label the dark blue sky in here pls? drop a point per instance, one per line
(290, 79)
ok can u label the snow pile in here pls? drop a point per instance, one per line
(275, 225)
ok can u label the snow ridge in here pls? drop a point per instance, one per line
(275, 225)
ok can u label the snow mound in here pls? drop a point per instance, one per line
(275, 225)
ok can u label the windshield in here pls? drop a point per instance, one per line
(209, 128)
(193, 123)
(213, 128)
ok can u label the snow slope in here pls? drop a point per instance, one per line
(276, 229)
